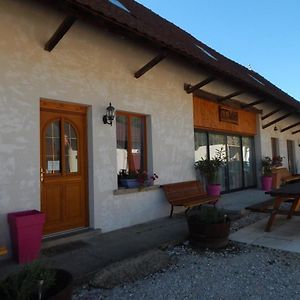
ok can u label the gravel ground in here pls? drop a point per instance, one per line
(239, 271)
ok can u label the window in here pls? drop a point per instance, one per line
(131, 142)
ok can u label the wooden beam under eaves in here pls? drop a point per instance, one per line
(277, 120)
(289, 127)
(192, 88)
(297, 131)
(60, 32)
(253, 103)
(271, 113)
(151, 64)
(230, 96)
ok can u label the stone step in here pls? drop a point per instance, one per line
(67, 237)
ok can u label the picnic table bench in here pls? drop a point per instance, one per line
(187, 194)
(282, 176)
(289, 192)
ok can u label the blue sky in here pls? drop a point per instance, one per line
(262, 33)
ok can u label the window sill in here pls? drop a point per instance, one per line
(124, 191)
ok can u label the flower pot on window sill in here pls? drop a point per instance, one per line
(129, 183)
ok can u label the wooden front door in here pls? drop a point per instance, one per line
(63, 166)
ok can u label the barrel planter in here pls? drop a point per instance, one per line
(63, 288)
(25, 284)
(208, 235)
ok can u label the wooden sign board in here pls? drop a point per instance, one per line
(228, 115)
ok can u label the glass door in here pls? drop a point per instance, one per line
(248, 161)
(234, 162)
(217, 142)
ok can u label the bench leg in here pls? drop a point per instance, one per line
(273, 214)
(171, 213)
(293, 208)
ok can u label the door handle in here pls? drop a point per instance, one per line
(42, 175)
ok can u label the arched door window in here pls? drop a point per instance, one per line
(61, 142)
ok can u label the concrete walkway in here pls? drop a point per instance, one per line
(88, 253)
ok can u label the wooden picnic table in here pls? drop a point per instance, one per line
(289, 192)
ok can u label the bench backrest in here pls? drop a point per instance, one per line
(180, 190)
(282, 172)
(279, 175)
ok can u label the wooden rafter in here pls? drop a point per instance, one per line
(191, 88)
(297, 131)
(253, 103)
(60, 32)
(271, 113)
(289, 127)
(221, 99)
(277, 120)
(151, 64)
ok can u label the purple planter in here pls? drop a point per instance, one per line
(213, 189)
(266, 183)
(26, 229)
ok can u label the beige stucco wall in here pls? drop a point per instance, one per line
(90, 66)
(268, 133)
(94, 67)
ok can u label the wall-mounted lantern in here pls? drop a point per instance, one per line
(110, 115)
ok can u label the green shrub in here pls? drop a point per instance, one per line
(207, 215)
(28, 283)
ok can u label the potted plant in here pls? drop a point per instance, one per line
(266, 180)
(209, 168)
(277, 161)
(208, 226)
(36, 281)
(128, 179)
(136, 179)
(145, 180)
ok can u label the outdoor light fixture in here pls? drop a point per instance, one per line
(110, 115)
(275, 128)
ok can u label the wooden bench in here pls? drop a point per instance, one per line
(187, 194)
(282, 176)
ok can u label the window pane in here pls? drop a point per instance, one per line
(234, 162)
(249, 161)
(200, 145)
(52, 143)
(137, 143)
(71, 148)
(122, 143)
(218, 142)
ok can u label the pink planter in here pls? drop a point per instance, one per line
(266, 183)
(213, 189)
(26, 229)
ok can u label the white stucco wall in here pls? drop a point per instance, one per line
(94, 67)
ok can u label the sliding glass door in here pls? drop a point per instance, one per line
(217, 142)
(239, 169)
(234, 162)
